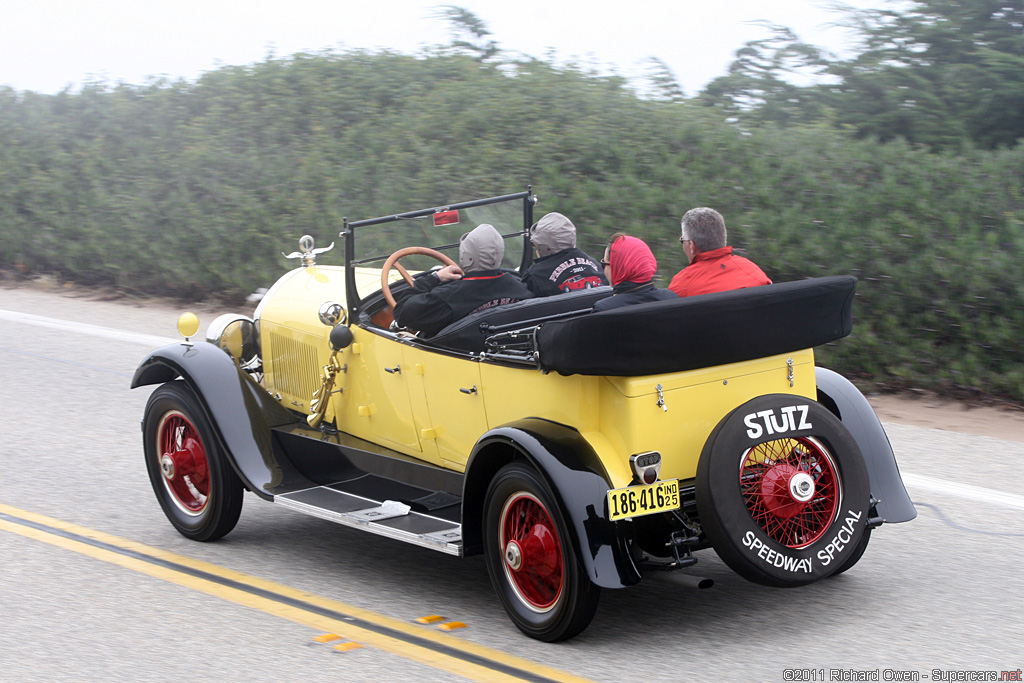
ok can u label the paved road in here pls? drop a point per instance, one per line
(942, 592)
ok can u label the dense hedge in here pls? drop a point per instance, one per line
(186, 189)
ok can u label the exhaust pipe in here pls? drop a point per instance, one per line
(679, 579)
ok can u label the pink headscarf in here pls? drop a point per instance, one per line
(632, 261)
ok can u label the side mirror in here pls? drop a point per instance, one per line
(341, 337)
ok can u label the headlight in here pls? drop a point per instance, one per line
(236, 335)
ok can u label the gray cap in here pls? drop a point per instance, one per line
(553, 233)
(481, 249)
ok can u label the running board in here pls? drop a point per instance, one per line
(385, 518)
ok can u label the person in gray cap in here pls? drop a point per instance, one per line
(453, 292)
(559, 266)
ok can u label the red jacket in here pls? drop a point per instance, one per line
(717, 271)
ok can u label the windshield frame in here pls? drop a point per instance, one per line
(355, 302)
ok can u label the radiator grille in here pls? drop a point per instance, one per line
(294, 370)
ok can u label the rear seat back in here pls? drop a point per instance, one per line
(467, 335)
(700, 331)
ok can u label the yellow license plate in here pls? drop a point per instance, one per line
(634, 501)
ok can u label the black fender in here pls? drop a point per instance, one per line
(845, 400)
(241, 411)
(576, 476)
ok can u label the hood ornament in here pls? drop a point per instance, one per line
(307, 253)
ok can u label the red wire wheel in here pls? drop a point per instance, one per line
(531, 550)
(792, 489)
(183, 463)
(782, 491)
(531, 558)
(191, 475)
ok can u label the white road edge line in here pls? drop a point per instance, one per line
(977, 493)
(149, 340)
(918, 481)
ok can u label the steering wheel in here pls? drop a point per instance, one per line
(392, 262)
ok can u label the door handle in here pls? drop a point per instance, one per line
(469, 391)
(393, 371)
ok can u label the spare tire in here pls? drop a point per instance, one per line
(782, 491)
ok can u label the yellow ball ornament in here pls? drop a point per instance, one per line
(188, 324)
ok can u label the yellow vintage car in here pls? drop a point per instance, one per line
(576, 450)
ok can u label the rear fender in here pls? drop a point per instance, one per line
(840, 396)
(578, 480)
(241, 411)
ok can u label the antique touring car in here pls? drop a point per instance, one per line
(575, 450)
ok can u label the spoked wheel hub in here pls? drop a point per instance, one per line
(532, 552)
(791, 489)
(785, 490)
(183, 463)
(513, 556)
(167, 466)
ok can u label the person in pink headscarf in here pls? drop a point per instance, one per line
(630, 266)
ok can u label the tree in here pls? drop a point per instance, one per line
(943, 73)
(940, 72)
(758, 85)
(664, 84)
(468, 32)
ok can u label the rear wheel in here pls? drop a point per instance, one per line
(855, 556)
(197, 489)
(782, 492)
(530, 557)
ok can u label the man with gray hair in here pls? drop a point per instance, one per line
(559, 266)
(713, 267)
(453, 292)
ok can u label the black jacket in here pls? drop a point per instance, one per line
(627, 293)
(568, 270)
(430, 306)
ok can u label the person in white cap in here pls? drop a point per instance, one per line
(559, 266)
(453, 292)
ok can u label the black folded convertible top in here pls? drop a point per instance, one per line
(700, 331)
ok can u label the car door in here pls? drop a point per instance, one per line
(448, 389)
(379, 390)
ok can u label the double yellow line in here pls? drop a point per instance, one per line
(438, 650)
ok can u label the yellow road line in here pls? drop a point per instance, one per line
(470, 660)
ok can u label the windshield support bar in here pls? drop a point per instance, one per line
(422, 213)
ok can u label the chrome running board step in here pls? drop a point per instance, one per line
(386, 518)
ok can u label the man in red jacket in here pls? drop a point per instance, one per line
(713, 267)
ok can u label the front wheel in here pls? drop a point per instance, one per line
(530, 557)
(193, 480)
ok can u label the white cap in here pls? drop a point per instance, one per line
(481, 249)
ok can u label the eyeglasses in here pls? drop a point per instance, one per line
(683, 240)
(605, 264)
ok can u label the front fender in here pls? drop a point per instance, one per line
(241, 411)
(845, 400)
(576, 476)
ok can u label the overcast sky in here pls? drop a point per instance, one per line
(46, 45)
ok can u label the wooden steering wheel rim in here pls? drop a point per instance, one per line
(392, 262)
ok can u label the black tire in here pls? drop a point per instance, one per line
(530, 558)
(193, 480)
(855, 556)
(782, 492)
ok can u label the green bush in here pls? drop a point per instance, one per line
(187, 189)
